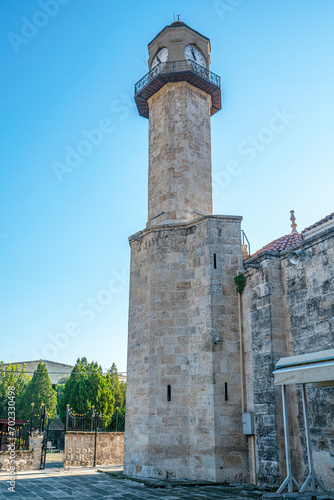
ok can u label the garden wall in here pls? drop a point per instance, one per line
(79, 448)
(24, 459)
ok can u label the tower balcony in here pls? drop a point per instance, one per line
(177, 71)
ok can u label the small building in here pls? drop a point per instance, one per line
(56, 371)
(288, 310)
(56, 434)
(5, 438)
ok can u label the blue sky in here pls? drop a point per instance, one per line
(69, 68)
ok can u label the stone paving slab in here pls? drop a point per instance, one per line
(89, 483)
(307, 495)
(162, 483)
(101, 486)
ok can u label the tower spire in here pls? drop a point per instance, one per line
(293, 220)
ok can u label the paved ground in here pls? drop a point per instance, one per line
(84, 483)
(54, 460)
(89, 484)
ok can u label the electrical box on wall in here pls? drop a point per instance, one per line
(248, 423)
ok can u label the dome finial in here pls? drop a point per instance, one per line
(293, 220)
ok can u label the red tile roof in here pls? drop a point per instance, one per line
(321, 221)
(283, 243)
(289, 240)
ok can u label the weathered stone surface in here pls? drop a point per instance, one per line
(180, 154)
(79, 448)
(113, 486)
(24, 459)
(177, 311)
(185, 369)
(288, 310)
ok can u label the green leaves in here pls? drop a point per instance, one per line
(240, 281)
(119, 387)
(12, 376)
(87, 387)
(39, 391)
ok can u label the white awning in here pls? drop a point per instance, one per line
(314, 367)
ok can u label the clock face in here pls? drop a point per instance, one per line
(161, 57)
(192, 54)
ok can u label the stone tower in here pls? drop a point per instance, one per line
(183, 379)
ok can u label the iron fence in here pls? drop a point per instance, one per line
(245, 239)
(178, 67)
(20, 436)
(94, 421)
(41, 422)
(20, 432)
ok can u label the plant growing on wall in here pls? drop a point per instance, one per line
(240, 282)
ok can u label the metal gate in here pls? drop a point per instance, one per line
(44, 428)
(53, 433)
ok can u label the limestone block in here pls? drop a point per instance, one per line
(187, 312)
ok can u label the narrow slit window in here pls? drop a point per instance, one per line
(215, 261)
(169, 393)
(226, 393)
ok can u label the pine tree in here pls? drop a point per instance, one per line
(87, 387)
(39, 391)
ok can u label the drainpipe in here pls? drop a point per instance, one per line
(252, 437)
(241, 354)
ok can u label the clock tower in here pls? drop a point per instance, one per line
(183, 415)
(179, 95)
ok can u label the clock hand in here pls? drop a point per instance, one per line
(158, 60)
(193, 53)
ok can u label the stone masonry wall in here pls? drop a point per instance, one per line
(176, 40)
(265, 335)
(182, 299)
(24, 459)
(289, 310)
(309, 293)
(180, 153)
(79, 448)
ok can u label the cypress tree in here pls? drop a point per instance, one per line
(39, 391)
(87, 387)
(119, 387)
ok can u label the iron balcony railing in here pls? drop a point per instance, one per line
(178, 67)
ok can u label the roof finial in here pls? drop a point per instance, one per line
(178, 16)
(293, 220)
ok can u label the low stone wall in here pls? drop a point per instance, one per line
(23, 459)
(79, 448)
